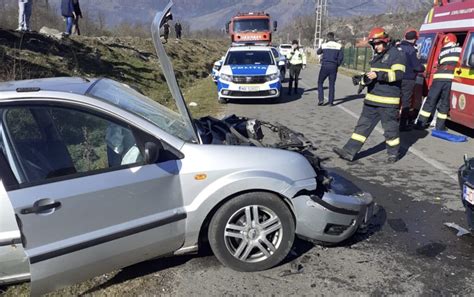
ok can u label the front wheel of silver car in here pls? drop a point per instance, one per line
(252, 232)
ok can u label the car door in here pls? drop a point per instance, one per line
(86, 202)
(462, 89)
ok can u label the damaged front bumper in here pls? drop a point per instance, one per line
(332, 217)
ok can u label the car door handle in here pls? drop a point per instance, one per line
(40, 208)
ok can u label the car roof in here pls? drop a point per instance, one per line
(74, 85)
(249, 48)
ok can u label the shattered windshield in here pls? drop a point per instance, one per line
(249, 58)
(252, 25)
(130, 100)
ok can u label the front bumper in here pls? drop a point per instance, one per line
(332, 218)
(229, 90)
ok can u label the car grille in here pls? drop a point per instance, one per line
(249, 94)
(249, 79)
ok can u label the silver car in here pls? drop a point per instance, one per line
(96, 177)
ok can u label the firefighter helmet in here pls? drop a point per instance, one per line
(448, 38)
(378, 34)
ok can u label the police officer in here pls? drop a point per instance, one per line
(333, 55)
(382, 99)
(413, 67)
(297, 60)
(438, 95)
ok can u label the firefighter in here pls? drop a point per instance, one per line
(333, 55)
(382, 100)
(438, 95)
(297, 60)
(413, 67)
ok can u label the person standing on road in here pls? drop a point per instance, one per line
(178, 29)
(413, 67)
(382, 100)
(333, 55)
(25, 8)
(67, 11)
(77, 15)
(438, 95)
(297, 60)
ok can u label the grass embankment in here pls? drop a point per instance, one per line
(127, 59)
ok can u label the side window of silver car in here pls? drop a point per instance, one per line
(54, 142)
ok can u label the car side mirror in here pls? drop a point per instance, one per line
(152, 152)
(470, 61)
(275, 25)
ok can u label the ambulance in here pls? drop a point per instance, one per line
(457, 17)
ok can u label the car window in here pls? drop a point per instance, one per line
(468, 50)
(52, 142)
(249, 58)
(424, 45)
(275, 53)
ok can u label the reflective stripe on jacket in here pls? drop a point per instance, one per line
(447, 61)
(332, 52)
(385, 89)
(296, 57)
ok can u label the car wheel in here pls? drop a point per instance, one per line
(222, 100)
(252, 232)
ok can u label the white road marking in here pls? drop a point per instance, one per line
(412, 150)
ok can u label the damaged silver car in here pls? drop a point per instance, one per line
(96, 177)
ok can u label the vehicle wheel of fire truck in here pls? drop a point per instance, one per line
(252, 232)
(222, 100)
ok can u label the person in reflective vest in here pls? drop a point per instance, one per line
(297, 60)
(438, 95)
(382, 99)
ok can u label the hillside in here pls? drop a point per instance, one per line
(202, 14)
(129, 60)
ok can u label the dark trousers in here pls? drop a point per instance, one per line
(294, 76)
(369, 118)
(326, 71)
(408, 85)
(438, 96)
(76, 26)
(178, 34)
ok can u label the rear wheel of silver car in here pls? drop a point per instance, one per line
(252, 232)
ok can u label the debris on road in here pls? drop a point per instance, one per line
(295, 268)
(461, 230)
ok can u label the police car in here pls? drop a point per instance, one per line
(249, 72)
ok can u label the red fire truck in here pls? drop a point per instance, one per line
(457, 17)
(251, 28)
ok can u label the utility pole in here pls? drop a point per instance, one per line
(321, 15)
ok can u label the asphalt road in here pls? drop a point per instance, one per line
(407, 249)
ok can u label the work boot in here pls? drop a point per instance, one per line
(320, 103)
(392, 159)
(343, 154)
(421, 126)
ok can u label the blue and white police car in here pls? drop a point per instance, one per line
(249, 72)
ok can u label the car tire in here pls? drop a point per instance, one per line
(222, 100)
(244, 244)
